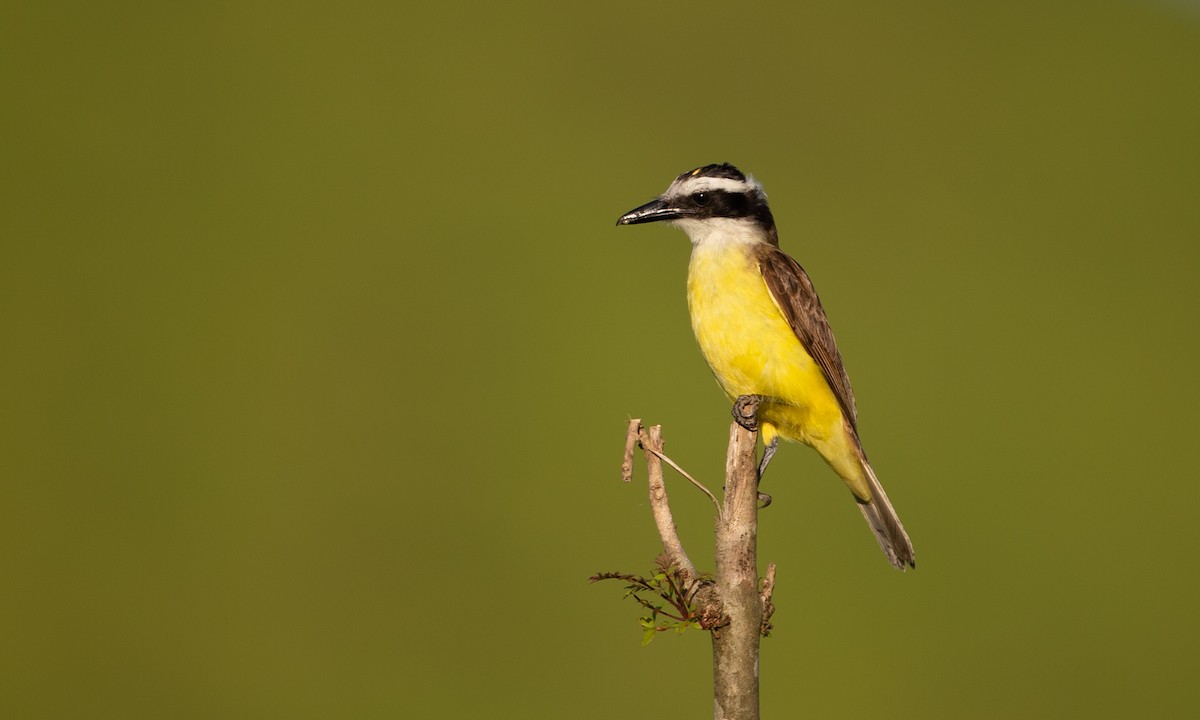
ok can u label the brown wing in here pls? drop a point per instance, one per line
(797, 299)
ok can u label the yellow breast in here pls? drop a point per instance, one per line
(752, 349)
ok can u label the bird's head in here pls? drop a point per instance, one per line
(711, 201)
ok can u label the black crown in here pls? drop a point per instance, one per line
(723, 170)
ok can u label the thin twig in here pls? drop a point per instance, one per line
(764, 597)
(768, 585)
(693, 480)
(631, 441)
(660, 506)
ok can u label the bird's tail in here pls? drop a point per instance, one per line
(885, 523)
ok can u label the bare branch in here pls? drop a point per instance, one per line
(660, 506)
(735, 650)
(735, 608)
(764, 597)
(631, 441)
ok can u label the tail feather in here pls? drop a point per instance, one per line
(885, 523)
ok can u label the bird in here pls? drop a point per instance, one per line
(762, 329)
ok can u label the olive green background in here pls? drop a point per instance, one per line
(319, 344)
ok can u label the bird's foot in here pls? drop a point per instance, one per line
(745, 412)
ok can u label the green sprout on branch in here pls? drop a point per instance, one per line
(670, 585)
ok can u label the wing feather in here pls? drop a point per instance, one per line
(797, 300)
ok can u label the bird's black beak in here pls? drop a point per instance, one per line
(652, 211)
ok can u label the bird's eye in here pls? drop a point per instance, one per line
(701, 198)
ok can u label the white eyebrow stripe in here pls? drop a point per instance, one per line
(697, 184)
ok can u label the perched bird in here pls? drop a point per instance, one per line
(761, 327)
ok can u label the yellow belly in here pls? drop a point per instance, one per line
(752, 350)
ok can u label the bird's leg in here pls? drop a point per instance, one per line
(745, 413)
(768, 453)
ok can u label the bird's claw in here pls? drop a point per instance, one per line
(745, 412)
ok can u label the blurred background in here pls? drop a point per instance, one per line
(320, 343)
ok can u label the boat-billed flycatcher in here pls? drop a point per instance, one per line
(761, 327)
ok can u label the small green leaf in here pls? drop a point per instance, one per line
(648, 635)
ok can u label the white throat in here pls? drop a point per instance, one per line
(721, 232)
